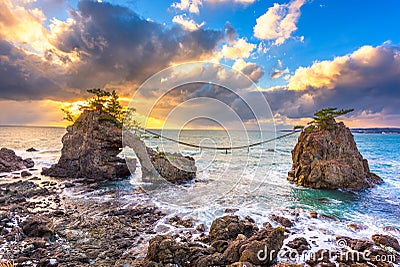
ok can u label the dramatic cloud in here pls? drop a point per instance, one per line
(186, 23)
(279, 22)
(99, 45)
(252, 70)
(278, 73)
(238, 49)
(189, 5)
(24, 76)
(14, 19)
(367, 80)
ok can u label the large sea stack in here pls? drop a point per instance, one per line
(90, 149)
(328, 158)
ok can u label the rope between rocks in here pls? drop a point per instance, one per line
(219, 148)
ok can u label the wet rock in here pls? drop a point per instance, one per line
(28, 163)
(10, 162)
(387, 241)
(19, 191)
(37, 226)
(300, 244)
(360, 245)
(281, 220)
(176, 220)
(229, 227)
(230, 210)
(357, 227)
(201, 227)
(328, 158)
(25, 174)
(90, 149)
(159, 166)
(313, 214)
(269, 240)
(229, 245)
(31, 149)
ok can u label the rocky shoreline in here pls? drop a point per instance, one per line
(49, 222)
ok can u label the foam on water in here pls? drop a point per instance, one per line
(373, 208)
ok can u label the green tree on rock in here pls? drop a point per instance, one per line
(324, 119)
(114, 107)
(99, 99)
(110, 108)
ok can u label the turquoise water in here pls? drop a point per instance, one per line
(253, 181)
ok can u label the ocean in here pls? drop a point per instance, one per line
(252, 181)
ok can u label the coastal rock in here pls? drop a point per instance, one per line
(90, 149)
(232, 241)
(25, 174)
(229, 227)
(300, 244)
(328, 158)
(32, 149)
(37, 226)
(173, 167)
(281, 220)
(160, 166)
(10, 162)
(387, 241)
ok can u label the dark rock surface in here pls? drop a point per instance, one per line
(300, 244)
(173, 167)
(32, 149)
(160, 166)
(90, 149)
(281, 220)
(387, 241)
(10, 162)
(230, 241)
(329, 159)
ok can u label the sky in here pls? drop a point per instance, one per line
(302, 55)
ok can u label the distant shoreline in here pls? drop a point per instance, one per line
(32, 126)
(353, 130)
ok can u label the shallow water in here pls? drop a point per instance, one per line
(253, 181)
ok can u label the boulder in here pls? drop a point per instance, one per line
(90, 149)
(160, 166)
(173, 167)
(328, 158)
(387, 241)
(231, 241)
(37, 226)
(10, 162)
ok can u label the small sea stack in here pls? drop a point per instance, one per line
(90, 149)
(326, 156)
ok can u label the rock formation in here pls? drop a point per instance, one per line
(328, 158)
(160, 166)
(230, 241)
(10, 162)
(90, 149)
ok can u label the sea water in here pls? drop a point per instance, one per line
(251, 180)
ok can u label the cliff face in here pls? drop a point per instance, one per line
(90, 149)
(329, 159)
